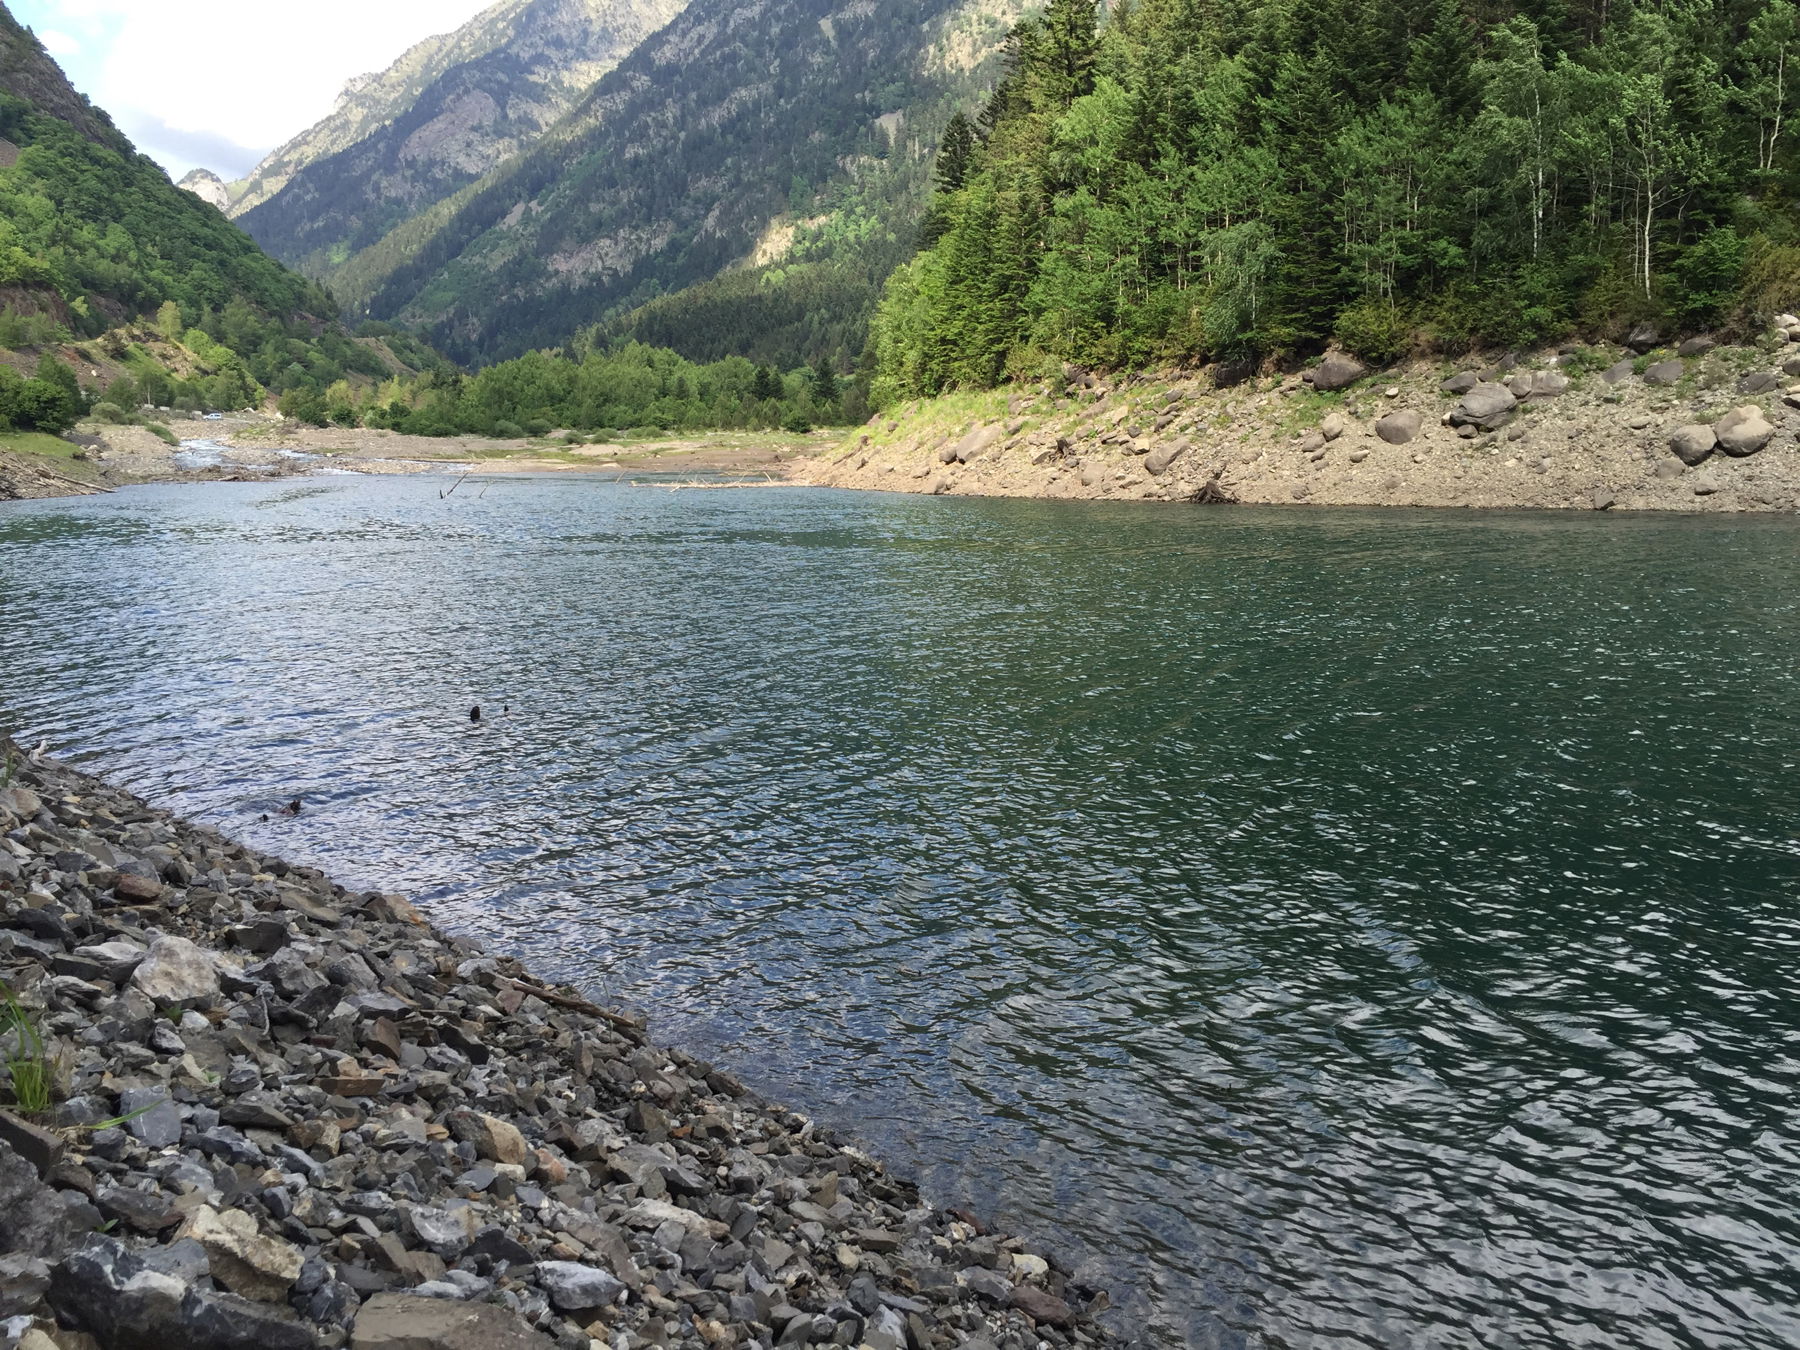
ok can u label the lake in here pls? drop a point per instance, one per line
(1330, 928)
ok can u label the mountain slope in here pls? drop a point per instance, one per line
(774, 123)
(447, 112)
(96, 242)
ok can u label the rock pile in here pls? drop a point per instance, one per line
(292, 1117)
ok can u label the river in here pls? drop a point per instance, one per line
(1332, 928)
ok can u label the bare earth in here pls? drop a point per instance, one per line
(1595, 445)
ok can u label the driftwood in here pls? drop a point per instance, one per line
(574, 1004)
(1212, 492)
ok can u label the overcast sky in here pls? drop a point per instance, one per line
(217, 84)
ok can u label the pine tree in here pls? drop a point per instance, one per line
(954, 153)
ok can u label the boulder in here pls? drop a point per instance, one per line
(1399, 427)
(1743, 431)
(1643, 337)
(1618, 372)
(1600, 499)
(1692, 444)
(947, 455)
(1460, 384)
(1665, 373)
(408, 1322)
(1759, 382)
(1336, 371)
(976, 442)
(1520, 385)
(1486, 405)
(1332, 427)
(240, 1256)
(1159, 459)
(1549, 384)
(176, 973)
(1696, 346)
(1230, 374)
(1312, 442)
(1791, 366)
(130, 1305)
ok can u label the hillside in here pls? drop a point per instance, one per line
(443, 115)
(1250, 183)
(117, 287)
(794, 137)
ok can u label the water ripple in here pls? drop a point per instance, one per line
(1336, 928)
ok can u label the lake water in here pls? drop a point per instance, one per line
(1333, 928)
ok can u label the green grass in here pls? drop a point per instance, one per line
(27, 1061)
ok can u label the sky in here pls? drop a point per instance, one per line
(217, 84)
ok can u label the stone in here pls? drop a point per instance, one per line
(1643, 337)
(1759, 382)
(116, 959)
(240, 1256)
(1041, 1306)
(445, 1232)
(976, 443)
(1358, 455)
(1336, 371)
(1486, 405)
(1692, 444)
(1460, 383)
(1665, 373)
(1619, 372)
(1548, 384)
(1230, 374)
(256, 1110)
(1602, 500)
(1696, 346)
(574, 1287)
(989, 1285)
(1158, 460)
(1332, 427)
(493, 1138)
(1399, 427)
(407, 1322)
(176, 973)
(947, 455)
(34, 1218)
(136, 1210)
(1312, 442)
(42, 1148)
(130, 889)
(24, 1280)
(1743, 431)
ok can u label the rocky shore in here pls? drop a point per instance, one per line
(1646, 425)
(285, 1116)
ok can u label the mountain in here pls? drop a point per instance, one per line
(207, 186)
(447, 112)
(774, 154)
(97, 243)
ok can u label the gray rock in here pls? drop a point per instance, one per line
(1547, 384)
(1643, 337)
(176, 973)
(1665, 373)
(574, 1287)
(1743, 431)
(407, 1322)
(1696, 346)
(24, 1280)
(1159, 459)
(987, 1284)
(1332, 427)
(1399, 427)
(1602, 500)
(1692, 444)
(1759, 382)
(1486, 406)
(1460, 383)
(1619, 372)
(115, 960)
(1336, 371)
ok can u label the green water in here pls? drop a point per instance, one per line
(1333, 928)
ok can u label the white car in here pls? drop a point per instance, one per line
(213, 417)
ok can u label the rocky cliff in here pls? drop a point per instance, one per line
(207, 186)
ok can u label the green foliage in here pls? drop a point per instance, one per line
(162, 433)
(1202, 182)
(28, 1065)
(1375, 329)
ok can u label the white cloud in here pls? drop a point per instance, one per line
(208, 76)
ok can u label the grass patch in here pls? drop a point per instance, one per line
(28, 1064)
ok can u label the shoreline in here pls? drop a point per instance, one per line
(344, 1127)
(1584, 429)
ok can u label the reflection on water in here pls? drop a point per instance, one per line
(1338, 928)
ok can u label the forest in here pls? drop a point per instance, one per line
(589, 391)
(1232, 180)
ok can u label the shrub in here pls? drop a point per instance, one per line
(1377, 330)
(508, 431)
(162, 433)
(797, 424)
(111, 413)
(537, 426)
